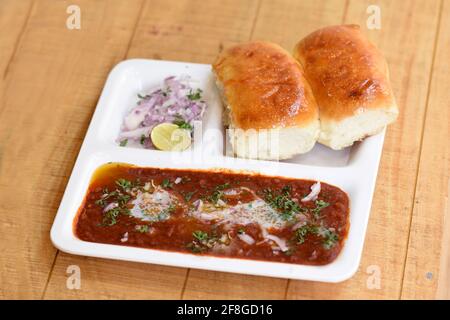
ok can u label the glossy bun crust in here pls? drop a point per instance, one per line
(350, 81)
(264, 87)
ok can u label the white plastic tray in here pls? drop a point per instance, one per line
(354, 170)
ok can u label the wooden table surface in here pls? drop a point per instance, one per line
(50, 81)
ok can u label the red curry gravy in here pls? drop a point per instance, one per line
(220, 213)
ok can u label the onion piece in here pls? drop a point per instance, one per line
(280, 242)
(174, 100)
(134, 119)
(315, 190)
(221, 203)
(111, 206)
(135, 134)
(124, 237)
(205, 216)
(198, 204)
(246, 238)
(298, 225)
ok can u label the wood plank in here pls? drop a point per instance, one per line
(199, 37)
(50, 92)
(192, 30)
(75, 65)
(163, 31)
(13, 17)
(297, 20)
(406, 38)
(427, 273)
(219, 285)
(104, 278)
(110, 279)
(286, 22)
(443, 283)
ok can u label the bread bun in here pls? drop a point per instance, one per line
(350, 81)
(271, 110)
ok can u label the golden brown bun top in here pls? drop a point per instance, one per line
(264, 87)
(345, 71)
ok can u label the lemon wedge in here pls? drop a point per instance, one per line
(170, 137)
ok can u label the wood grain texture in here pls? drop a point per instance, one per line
(103, 278)
(286, 22)
(50, 92)
(427, 265)
(443, 281)
(161, 31)
(169, 33)
(267, 26)
(192, 30)
(106, 279)
(54, 76)
(13, 17)
(202, 284)
(406, 38)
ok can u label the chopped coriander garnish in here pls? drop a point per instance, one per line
(142, 228)
(320, 204)
(197, 95)
(100, 202)
(166, 183)
(123, 143)
(223, 186)
(142, 97)
(202, 241)
(218, 193)
(215, 196)
(110, 217)
(188, 195)
(124, 184)
(283, 203)
(200, 235)
(195, 247)
(241, 231)
(120, 196)
(286, 189)
(126, 211)
(142, 140)
(330, 239)
(302, 232)
(183, 124)
(164, 214)
(106, 195)
(123, 199)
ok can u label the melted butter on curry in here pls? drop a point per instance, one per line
(153, 206)
(217, 213)
(256, 211)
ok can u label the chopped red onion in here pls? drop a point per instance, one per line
(246, 238)
(175, 100)
(111, 206)
(280, 242)
(315, 190)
